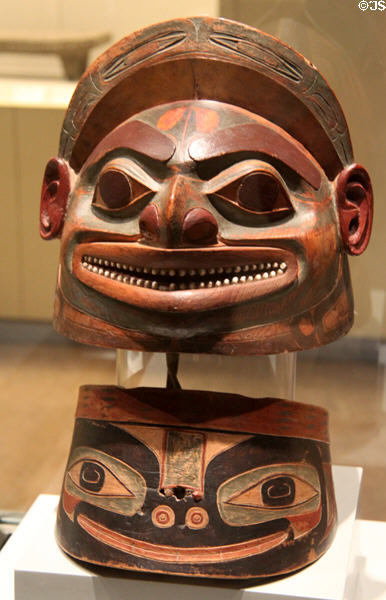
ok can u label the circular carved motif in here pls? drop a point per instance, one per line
(163, 516)
(196, 518)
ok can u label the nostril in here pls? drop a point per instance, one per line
(199, 227)
(149, 223)
(179, 492)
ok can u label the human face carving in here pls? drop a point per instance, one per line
(199, 218)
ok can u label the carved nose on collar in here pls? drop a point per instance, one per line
(199, 227)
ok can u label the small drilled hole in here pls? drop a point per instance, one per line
(178, 492)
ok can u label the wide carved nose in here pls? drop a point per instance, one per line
(178, 217)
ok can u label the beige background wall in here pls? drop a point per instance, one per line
(347, 45)
(28, 266)
(120, 17)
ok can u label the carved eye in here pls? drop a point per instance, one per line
(104, 481)
(116, 191)
(275, 492)
(96, 478)
(257, 194)
(269, 492)
(262, 193)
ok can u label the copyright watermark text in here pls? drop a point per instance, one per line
(372, 5)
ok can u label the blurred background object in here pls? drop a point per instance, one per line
(71, 47)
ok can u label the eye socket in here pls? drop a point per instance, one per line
(92, 476)
(116, 191)
(113, 190)
(278, 491)
(259, 193)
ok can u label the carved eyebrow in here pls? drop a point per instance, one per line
(137, 136)
(257, 137)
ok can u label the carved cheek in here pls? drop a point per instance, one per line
(317, 233)
(149, 224)
(321, 249)
(70, 503)
(302, 524)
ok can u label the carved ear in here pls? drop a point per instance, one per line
(55, 190)
(355, 206)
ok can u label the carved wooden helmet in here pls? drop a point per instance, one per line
(206, 196)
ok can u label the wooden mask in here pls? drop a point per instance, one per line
(206, 197)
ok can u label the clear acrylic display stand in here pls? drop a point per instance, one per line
(44, 572)
(254, 376)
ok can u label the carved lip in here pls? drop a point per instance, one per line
(183, 280)
(176, 554)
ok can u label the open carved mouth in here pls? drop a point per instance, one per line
(183, 280)
(174, 554)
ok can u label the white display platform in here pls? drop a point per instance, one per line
(366, 579)
(43, 572)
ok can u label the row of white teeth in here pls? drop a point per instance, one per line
(89, 261)
(267, 270)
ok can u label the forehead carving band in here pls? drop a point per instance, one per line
(206, 59)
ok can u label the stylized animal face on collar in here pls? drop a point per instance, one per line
(191, 500)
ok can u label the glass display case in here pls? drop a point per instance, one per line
(41, 371)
